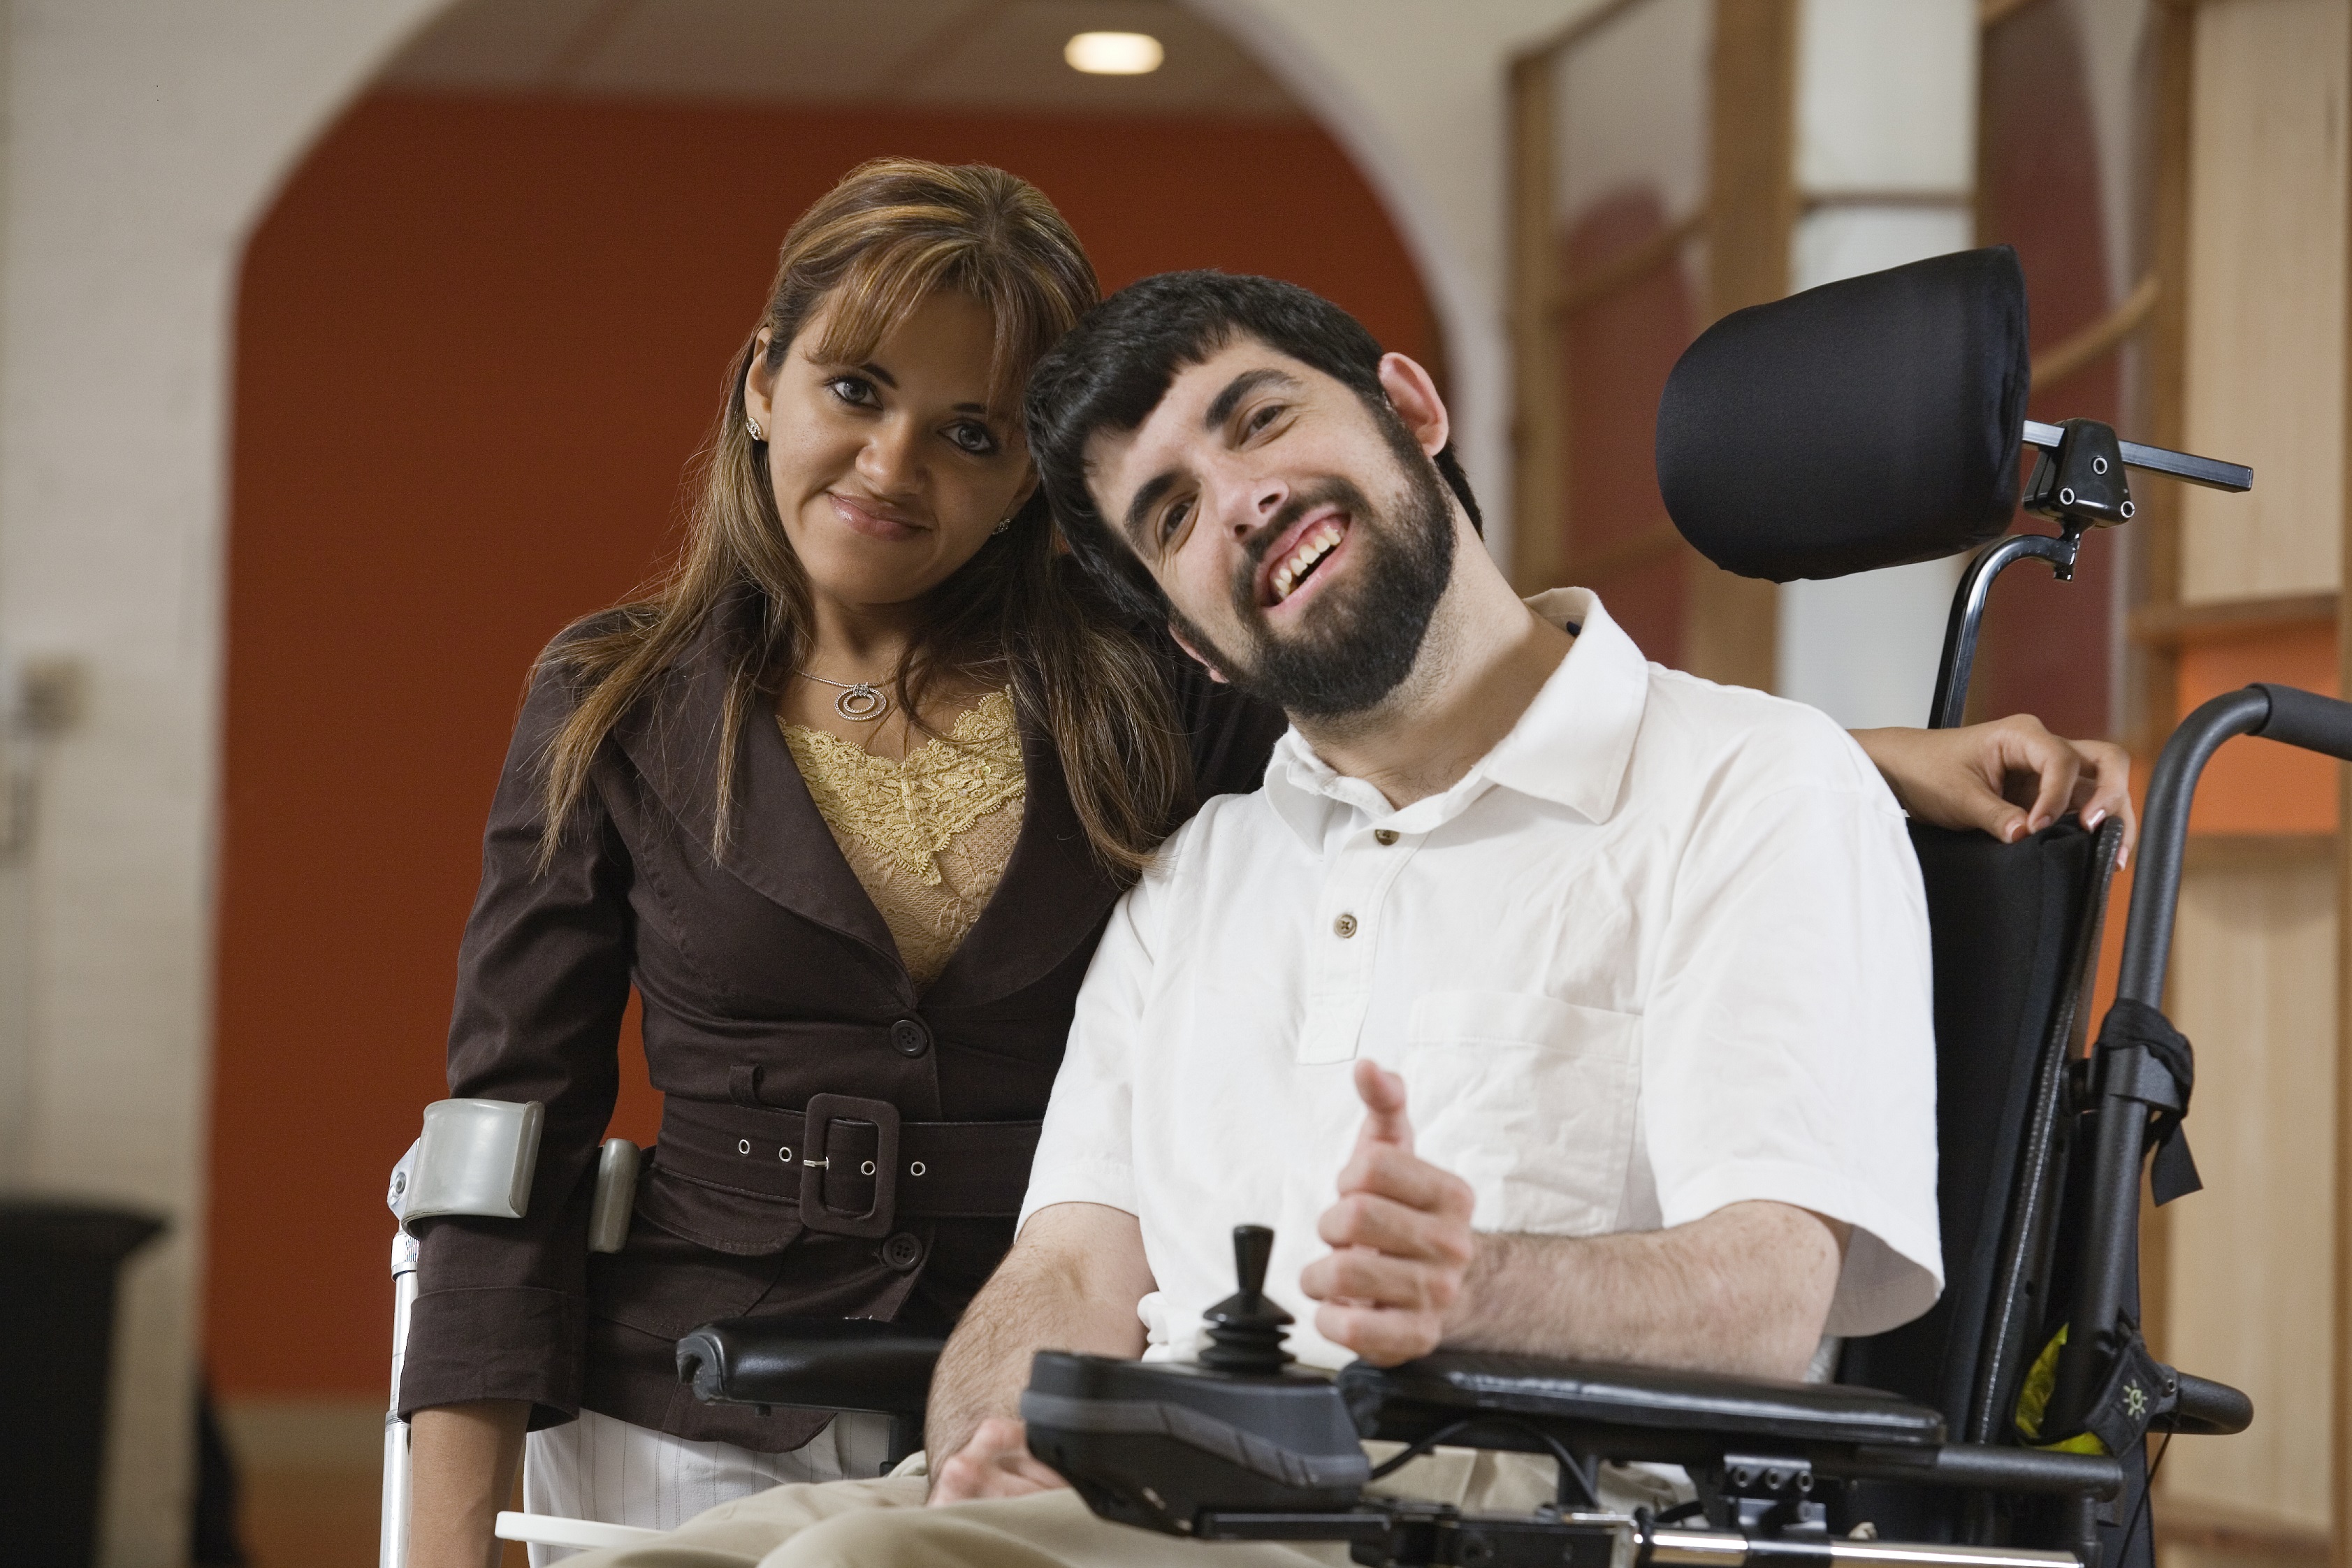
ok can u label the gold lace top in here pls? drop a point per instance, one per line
(927, 837)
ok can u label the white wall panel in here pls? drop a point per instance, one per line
(1885, 103)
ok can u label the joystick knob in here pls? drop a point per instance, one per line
(1245, 1329)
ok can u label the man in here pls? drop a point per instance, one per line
(1596, 996)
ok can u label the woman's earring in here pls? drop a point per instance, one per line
(1001, 524)
(757, 434)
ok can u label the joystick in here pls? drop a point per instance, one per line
(1245, 1329)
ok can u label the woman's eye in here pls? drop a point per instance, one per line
(853, 390)
(977, 439)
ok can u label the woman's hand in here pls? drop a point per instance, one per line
(2009, 778)
(462, 1461)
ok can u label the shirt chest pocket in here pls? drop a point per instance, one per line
(1530, 1099)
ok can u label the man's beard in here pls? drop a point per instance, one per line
(1356, 647)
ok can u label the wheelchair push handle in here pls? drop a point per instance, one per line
(2307, 719)
(2284, 713)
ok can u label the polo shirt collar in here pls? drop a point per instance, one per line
(1571, 746)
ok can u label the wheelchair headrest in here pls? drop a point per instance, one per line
(1866, 422)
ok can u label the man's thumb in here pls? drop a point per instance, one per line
(1382, 1093)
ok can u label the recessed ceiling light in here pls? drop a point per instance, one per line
(1114, 53)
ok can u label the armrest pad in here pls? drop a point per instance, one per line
(821, 1363)
(1411, 1400)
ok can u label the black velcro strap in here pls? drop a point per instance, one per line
(2136, 1025)
(2139, 1389)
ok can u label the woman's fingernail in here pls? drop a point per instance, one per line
(2091, 818)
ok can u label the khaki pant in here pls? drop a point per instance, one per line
(884, 1525)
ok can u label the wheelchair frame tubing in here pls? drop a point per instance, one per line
(2117, 1148)
(1969, 601)
(2146, 952)
(2296, 718)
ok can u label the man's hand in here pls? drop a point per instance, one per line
(2009, 778)
(1071, 1281)
(1400, 1237)
(995, 1463)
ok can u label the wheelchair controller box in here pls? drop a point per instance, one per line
(1158, 1444)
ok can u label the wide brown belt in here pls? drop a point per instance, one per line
(850, 1164)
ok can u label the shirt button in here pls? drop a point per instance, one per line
(903, 1251)
(1385, 836)
(1345, 925)
(910, 1038)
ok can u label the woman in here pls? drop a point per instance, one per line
(846, 801)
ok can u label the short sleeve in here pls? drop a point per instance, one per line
(1788, 1049)
(1085, 1151)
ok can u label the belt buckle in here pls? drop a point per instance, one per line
(824, 1110)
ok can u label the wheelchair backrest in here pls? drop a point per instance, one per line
(2015, 930)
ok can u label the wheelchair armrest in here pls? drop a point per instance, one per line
(1491, 1400)
(822, 1364)
(1661, 1413)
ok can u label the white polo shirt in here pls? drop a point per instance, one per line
(1661, 949)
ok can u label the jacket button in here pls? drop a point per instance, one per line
(910, 1038)
(1384, 837)
(903, 1251)
(1344, 926)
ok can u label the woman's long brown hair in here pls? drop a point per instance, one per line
(891, 234)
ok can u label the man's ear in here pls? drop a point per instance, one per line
(1198, 656)
(759, 384)
(1414, 397)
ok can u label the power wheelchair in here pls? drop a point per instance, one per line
(1869, 422)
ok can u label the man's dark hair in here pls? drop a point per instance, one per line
(1113, 368)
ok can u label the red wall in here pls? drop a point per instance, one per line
(1615, 355)
(478, 341)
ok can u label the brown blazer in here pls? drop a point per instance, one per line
(768, 979)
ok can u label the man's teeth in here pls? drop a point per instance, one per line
(1317, 543)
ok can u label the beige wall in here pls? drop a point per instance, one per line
(2250, 1297)
(2266, 265)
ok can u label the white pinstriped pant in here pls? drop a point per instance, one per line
(604, 1469)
